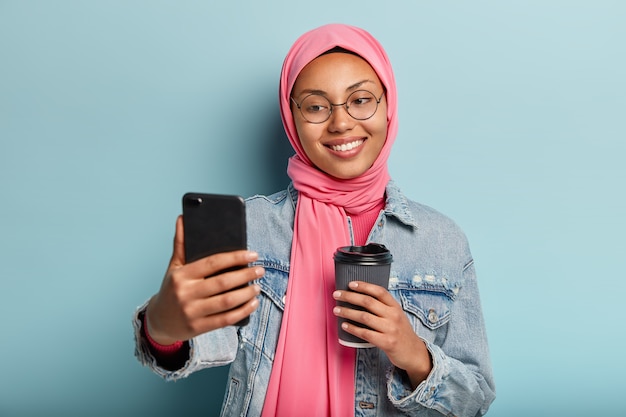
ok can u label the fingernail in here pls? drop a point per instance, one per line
(336, 310)
(337, 294)
(252, 256)
(353, 284)
(259, 271)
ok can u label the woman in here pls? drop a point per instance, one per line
(338, 106)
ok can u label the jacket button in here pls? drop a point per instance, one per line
(366, 405)
(432, 316)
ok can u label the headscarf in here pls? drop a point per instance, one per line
(312, 374)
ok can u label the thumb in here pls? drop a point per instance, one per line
(178, 256)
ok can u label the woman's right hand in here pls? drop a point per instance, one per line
(188, 305)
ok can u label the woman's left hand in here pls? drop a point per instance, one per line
(390, 328)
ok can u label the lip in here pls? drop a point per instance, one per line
(352, 146)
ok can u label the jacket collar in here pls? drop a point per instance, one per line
(397, 205)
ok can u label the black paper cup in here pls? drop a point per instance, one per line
(370, 263)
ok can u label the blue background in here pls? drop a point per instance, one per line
(512, 122)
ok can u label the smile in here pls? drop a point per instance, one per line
(347, 146)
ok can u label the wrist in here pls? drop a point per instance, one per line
(160, 342)
(421, 369)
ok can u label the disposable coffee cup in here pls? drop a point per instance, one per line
(370, 263)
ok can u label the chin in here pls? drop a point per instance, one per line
(344, 171)
(346, 175)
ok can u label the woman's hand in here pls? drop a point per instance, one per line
(391, 330)
(187, 304)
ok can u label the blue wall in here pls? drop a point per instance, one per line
(512, 122)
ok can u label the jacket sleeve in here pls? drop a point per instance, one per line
(461, 381)
(215, 348)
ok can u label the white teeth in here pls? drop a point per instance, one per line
(347, 146)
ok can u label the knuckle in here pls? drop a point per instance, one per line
(176, 277)
(227, 300)
(177, 298)
(368, 302)
(213, 263)
(363, 317)
(194, 328)
(219, 284)
(187, 313)
(378, 292)
(398, 317)
(391, 343)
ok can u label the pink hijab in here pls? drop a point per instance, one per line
(312, 374)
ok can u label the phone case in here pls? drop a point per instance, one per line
(213, 223)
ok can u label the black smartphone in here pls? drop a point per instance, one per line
(213, 223)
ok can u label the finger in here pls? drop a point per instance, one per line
(361, 317)
(228, 281)
(178, 255)
(368, 335)
(373, 290)
(368, 302)
(214, 264)
(228, 318)
(226, 301)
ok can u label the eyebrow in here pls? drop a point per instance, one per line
(350, 88)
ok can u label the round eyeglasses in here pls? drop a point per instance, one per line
(360, 105)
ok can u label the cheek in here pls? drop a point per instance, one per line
(378, 129)
(307, 135)
(301, 131)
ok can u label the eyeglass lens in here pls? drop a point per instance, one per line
(361, 105)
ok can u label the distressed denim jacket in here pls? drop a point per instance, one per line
(433, 278)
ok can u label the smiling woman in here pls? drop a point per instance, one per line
(429, 355)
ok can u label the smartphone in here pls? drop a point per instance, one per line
(213, 223)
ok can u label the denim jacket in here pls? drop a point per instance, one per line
(433, 278)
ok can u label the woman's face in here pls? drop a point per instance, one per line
(342, 146)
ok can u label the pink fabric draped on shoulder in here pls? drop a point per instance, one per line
(312, 374)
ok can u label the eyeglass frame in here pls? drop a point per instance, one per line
(332, 105)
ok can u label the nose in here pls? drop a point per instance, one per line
(340, 120)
